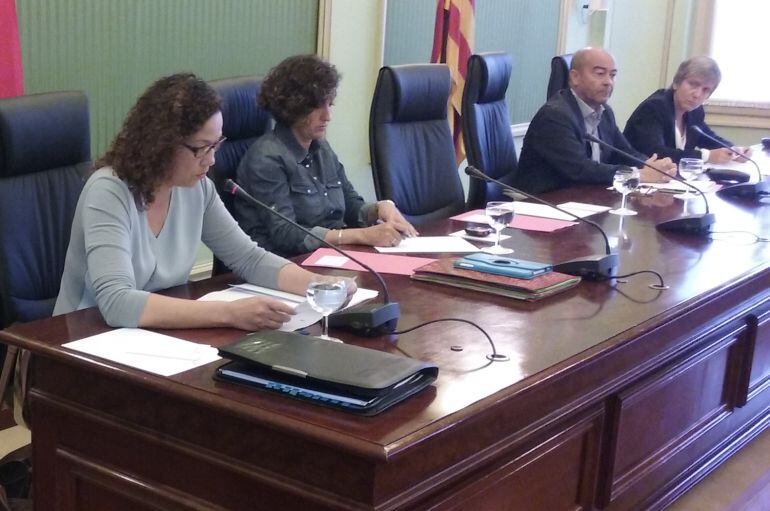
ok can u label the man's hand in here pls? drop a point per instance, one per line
(648, 175)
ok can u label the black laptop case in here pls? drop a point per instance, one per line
(344, 376)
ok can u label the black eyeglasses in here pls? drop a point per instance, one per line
(200, 152)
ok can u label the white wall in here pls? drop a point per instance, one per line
(356, 49)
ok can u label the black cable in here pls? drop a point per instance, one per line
(493, 356)
(756, 237)
(632, 274)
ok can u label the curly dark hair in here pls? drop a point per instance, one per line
(169, 111)
(297, 86)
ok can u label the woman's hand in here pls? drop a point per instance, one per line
(388, 213)
(744, 151)
(380, 235)
(720, 155)
(258, 313)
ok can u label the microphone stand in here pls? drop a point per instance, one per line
(593, 267)
(754, 191)
(692, 224)
(368, 319)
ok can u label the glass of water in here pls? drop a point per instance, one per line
(625, 181)
(499, 215)
(690, 169)
(326, 296)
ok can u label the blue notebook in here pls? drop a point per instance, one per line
(499, 265)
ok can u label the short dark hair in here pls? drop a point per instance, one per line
(169, 111)
(297, 86)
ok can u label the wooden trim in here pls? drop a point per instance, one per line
(664, 62)
(519, 130)
(703, 25)
(323, 43)
(561, 36)
(201, 271)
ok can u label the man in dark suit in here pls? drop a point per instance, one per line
(556, 154)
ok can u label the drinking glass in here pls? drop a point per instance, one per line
(690, 169)
(326, 296)
(625, 181)
(499, 215)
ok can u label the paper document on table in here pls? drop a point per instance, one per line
(430, 244)
(678, 187)
(582, 209)
(149, 351)
(305, 315)
(578, 209)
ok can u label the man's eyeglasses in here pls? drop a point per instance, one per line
(200, 152)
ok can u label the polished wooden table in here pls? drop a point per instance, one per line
(616, 396)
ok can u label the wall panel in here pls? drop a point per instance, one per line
(113, 49)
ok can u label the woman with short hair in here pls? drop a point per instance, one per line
(295, 171)
(663, 123)
(143, 212)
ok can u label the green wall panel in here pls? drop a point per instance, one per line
(113, 49)
(527, 29)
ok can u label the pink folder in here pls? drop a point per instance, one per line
(524, 222)
(382, 263)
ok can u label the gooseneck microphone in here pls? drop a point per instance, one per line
(754, 191)
(368, 319)
(594, 267)
(692, 224)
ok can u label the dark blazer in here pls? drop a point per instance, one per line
(651, 128)
(555, 153)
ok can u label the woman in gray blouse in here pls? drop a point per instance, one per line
(295, 170)
(142, 214)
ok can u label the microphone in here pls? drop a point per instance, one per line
(594, 267)
(367, 319)
(743, 190)
(692, 224)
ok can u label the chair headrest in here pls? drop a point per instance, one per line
(495, 70)
(43, 131)
(414, 92)
(240, 113)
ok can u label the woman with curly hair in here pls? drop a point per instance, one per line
(295, 170)
(142, 213)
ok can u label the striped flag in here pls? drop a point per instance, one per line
(11, 74)
(453, 45)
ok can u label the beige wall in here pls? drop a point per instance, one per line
(356, 47)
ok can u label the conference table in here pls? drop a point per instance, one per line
(615, 395)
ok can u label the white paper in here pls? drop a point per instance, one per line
(305, 315)
(430, 244)
(583, 209)
(677, 187)
(489, 238)
(149, 351)
(335, 261)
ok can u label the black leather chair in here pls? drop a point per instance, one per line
(559, 73)
(45, 155)
(413, 157)
(244, 122)
(487, 127)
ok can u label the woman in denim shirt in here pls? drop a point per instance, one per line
(294, 170)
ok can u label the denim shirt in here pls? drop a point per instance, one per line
(309, 187)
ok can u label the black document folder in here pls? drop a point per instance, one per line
(343, 376)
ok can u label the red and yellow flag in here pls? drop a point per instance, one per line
(11, 74)
(453, 45)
